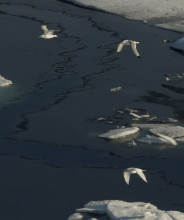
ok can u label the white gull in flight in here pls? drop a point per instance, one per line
(131, 43)
(133, 170)
(47, 33)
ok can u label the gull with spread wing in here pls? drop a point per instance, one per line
(133, 170)
(131, 43)
(47, 33)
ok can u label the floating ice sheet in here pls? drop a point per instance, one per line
(117, 133)
(4, 82)
(137, 9)
(119, 210)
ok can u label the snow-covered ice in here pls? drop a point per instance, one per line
(168, 13)
(119, 210)
(117, 133)
(4, 82)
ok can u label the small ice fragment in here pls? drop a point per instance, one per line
(75, 216)
(166, 41)
(116, 89)
(117, 133)
(101, 119)
(145, 21)
(147, 117)
(169, 139)
(135, 115)
(92, 219)
(130, 110)
(132, 143)
(171, 120)
(4, 82)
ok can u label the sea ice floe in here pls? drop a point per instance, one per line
(121, 210)
(117, 133)
(116, 89)
(4, 82)
(138, 9)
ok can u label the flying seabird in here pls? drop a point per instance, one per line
(131, 43)
(47, 33)
(133, 170)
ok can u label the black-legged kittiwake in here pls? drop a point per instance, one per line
(47, 33)
(131, 43)
(133, 170)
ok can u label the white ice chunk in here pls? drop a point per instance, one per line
(4, 82)
(172, 131)
(117, 133)
(168, 139)
(75, 216)
(116, 89)
(171, 120)
(150, 139)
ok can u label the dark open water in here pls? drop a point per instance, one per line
(60, 87)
